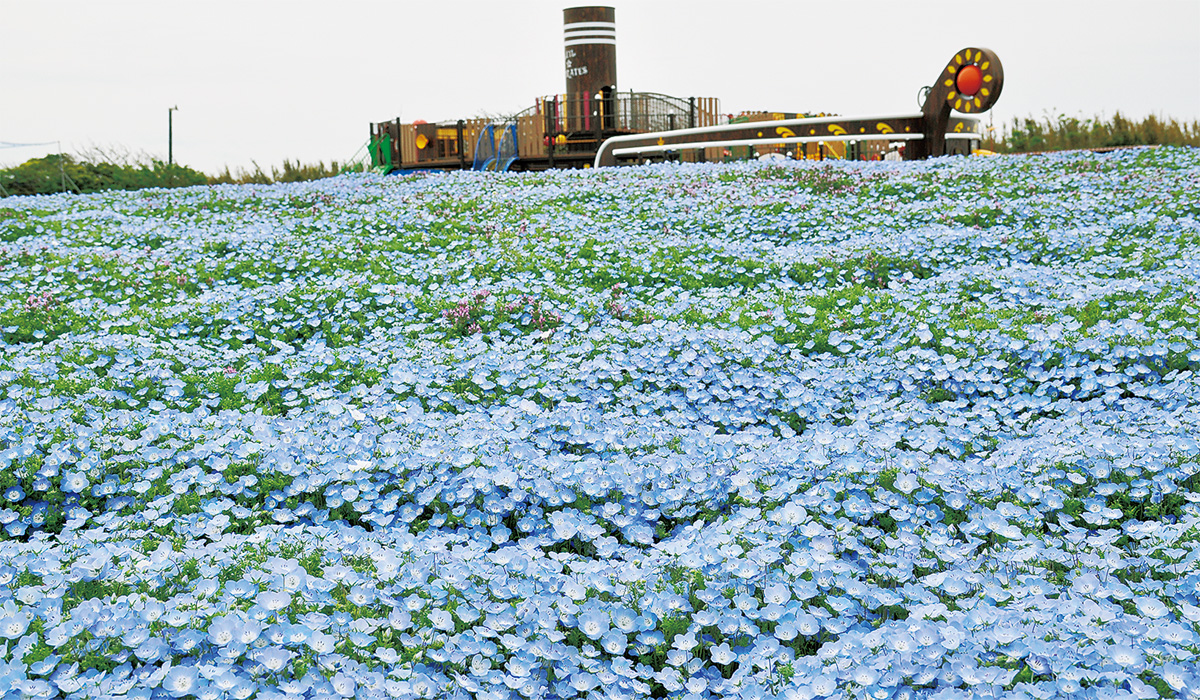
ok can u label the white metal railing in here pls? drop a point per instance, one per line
(615, 141)
(668, 148)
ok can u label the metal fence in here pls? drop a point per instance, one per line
(629, 112)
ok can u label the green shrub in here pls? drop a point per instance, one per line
(59, 172)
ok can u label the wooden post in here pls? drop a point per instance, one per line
(970, 83)
(599, 118)
(399, 146)
(462, 151)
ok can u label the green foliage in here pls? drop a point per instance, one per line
(59, 172)
(1061, 132)
(869, 268)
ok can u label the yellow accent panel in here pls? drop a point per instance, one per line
(951, 96)
(987, 78)
(836, 129)
(422, 141)
(984, 65)
(949, 82)
(784, 132)
(958, 59)
(884, 128)
(958, 104)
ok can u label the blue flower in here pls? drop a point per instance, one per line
(223, 630)
(614, 642)
(74, 482)
(343, 685)
(181, 681)
(721, 654)
(320, 642)
(593, 623)
(152, 650)
(13, 624)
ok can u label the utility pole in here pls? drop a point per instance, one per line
(170, 136)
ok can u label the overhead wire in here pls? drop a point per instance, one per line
(11, 144)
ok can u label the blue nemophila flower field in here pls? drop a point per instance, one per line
(879, 430)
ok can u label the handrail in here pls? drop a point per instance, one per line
(623, 111)
(667, 148)
(615, 141)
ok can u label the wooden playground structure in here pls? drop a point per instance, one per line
(592, 124)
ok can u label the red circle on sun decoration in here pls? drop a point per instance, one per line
(969, 80)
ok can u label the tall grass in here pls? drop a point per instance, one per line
(290, 172)
(1061, 132)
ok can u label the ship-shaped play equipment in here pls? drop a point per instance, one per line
(593, 124)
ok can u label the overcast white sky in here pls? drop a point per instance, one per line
(265, 80)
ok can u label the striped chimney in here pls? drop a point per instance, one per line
(590, 43)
